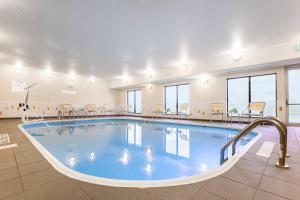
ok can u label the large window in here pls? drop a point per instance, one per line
(134, 101)
(241, 91)
(294, 95)
(176, 95)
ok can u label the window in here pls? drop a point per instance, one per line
(134, 101)
(176, 95)
(262, 88)
(294, 95)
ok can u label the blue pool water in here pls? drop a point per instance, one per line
(127, 149)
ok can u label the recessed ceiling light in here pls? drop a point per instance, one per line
(237, 57)
(183, 67)
(72, 76)
(18, 67)
(18, 70)
(125, 79)
(204, 78)
(93, 79)
(149, 74)
(48, 73)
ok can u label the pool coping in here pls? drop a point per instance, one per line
(138, 183)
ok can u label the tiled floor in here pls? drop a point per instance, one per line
(25, 174)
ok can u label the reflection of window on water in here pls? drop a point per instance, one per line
(65, 130)
(134, 134)
(178, 142)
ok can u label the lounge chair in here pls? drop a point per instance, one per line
(254, 109)
(91, 109)
(217, 109)
(65, 109)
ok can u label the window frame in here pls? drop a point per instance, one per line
(288, 104)
(165, 99)
(249, 89)
(134, 101)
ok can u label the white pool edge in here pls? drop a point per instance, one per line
(136, 183)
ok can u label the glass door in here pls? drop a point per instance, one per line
(293, 101)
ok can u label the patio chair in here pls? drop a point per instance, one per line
(217, 109)
(108, 109)
(184, 110)
(121, 110)
(254, 109)
(65, 109)
(91, 109)
(158, 110)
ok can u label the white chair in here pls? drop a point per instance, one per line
(108, 109)
(65, 109)
(217, 109)
(184, 110)
(158, 109)
(255, 109)
(91, 109)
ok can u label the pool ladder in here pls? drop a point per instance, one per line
(281, 127)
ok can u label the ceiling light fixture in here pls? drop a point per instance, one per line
(18, 67)
(18, 71)
(183, 67)
(48, 73)
(125, 79)
(72, 76)
(93, 79)
(149, 74)
(237, 57)
(204, 78)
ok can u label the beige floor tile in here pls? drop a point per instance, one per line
(174, 193)
(283, 174)
(97, 192)
(10, 187)
(28, 157)
(20, 196)
(35, 180)
(229, 189)
(294, 167)
(6, 156)
(280, 188)
(251, 166)
(142, 195)
(10, 173)
(57, 190)
(261, 195)
(34, 167)
(8, 164)
(243, 176)
(204, 195)
(254, 158)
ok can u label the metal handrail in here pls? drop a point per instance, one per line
(275, 122)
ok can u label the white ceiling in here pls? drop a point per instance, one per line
(107, 38)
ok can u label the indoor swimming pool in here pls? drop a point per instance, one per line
(127, 149)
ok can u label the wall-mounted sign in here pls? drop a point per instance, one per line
(71, 92)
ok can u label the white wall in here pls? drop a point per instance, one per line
(215, 90)
(46, 96)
